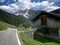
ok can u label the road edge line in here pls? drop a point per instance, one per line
(19, 43)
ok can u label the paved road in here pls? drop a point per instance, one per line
(8, 37)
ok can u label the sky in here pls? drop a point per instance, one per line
(14, 6)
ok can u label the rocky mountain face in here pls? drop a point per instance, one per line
(33, 13)
(28, 13)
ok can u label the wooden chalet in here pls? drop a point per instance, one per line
(48, 24)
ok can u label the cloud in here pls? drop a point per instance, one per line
(2, 0)
(27, 4)
(43, 5)
(51, 8)
(12, 8)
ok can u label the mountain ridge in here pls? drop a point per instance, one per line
(12, 19)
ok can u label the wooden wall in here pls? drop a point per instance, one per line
(37, 23)
(53, 23)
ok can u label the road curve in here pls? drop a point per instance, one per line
(8, 37)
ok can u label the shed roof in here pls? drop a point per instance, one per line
(49, 14)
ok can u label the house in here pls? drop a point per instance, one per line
(48, 24)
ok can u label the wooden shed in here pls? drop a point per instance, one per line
(48, 24)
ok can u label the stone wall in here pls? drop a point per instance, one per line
(30, 33)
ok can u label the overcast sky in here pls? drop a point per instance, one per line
(14, 6)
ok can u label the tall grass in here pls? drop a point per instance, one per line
(38, 40)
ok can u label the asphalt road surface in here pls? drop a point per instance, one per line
(8, 37)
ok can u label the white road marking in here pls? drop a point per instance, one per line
(19, 43)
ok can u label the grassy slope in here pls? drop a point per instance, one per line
(10, 18)
(42, 41)
(13, 19)
(4, 25)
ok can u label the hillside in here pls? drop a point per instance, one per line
(4, 25)
(13, 19)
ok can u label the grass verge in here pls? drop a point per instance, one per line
(37, 41)
(28, 41)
